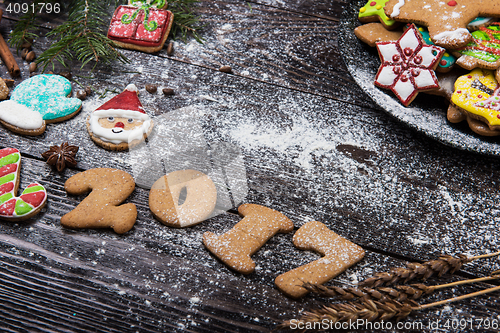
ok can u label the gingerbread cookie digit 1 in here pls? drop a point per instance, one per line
(142, 26)
(200, 199)
(339, 254)
(235, 247)
(110, 187)
(33, 198)
(446, 20)
(121, 122)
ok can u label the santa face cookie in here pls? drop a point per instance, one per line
(121, 122)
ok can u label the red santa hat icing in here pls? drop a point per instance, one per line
(124, 105)
(127, 100)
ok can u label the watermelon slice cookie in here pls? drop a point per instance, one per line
(31, 200)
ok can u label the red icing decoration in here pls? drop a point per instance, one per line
(7, 151)
(469, 76)
(120, 124)
(35, 198)
(126, 100)
(7, 209)
(400, 76)
(498, 116)
(5, 170)
(479, 96)
(7, 187)
(373, 3)
(459, 91)
(442, 62)
(134, 32)
(452, 3)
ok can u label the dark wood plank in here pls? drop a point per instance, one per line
(154, 278)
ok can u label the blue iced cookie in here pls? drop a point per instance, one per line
(48, 94)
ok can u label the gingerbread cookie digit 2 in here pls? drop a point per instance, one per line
(33, 198)
(110, 187)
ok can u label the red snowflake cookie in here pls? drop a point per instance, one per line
(408, 65)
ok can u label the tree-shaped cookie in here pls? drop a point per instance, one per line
(373, 11)
(483, 51)
(31, 200)
(446, 20)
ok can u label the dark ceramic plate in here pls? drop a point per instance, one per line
(426, 114)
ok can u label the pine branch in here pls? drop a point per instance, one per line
(26, 28)
(81, 37)
(185, 21)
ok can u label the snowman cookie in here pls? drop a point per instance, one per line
(121, 122)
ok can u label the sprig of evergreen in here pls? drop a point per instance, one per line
(83, 35)
(185, 20)
(27, 28)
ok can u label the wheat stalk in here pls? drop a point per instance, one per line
(398, 293)
(444, 264)
(369, 310)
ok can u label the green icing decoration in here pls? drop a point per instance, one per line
(375, 8)
(479, 51)
(47, 94)
(33, 189)
(8, 178)
(22, 208)
(9, 159)
(6, 197)
(149, 26)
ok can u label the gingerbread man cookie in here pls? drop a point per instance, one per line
(408, 65)
(446, 20)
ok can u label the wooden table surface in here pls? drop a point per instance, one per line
(298, 135)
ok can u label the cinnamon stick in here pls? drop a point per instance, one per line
(7, 56)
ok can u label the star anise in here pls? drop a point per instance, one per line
(61, 156)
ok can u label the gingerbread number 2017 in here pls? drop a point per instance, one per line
(100, 209)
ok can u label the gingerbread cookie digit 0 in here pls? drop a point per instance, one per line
(100, 209)
(339, 254)
(236, 246)
(199, 203)
(33, 198)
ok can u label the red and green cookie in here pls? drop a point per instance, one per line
(484, 49)
(31, 200)
(374, 11)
